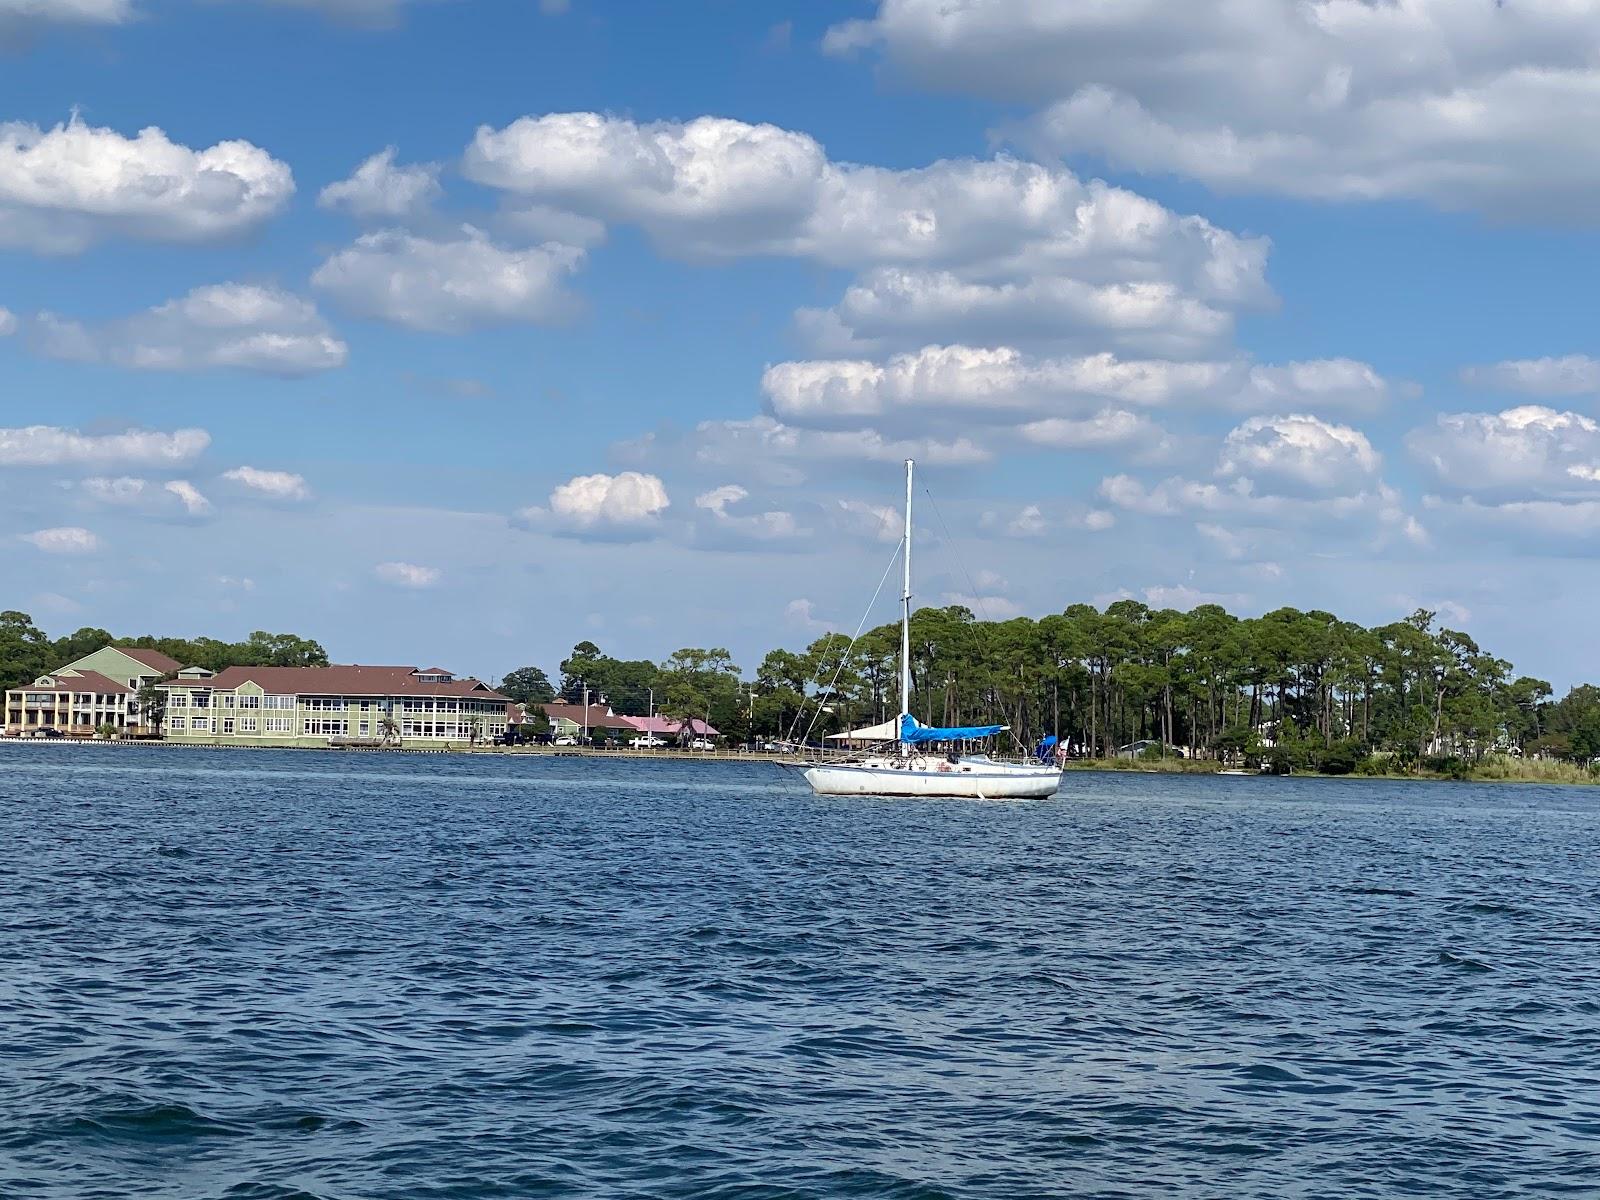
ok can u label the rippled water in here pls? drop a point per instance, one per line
(267, 976)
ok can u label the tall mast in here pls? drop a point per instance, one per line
(905, 605)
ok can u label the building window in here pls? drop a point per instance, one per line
(279, 702)
(177, 699)
(249, 701)
(177, 724)
(200, 724)
(247, 724)
(202, 699)
(279, 724)
(366, 728)
(227, 700)
(227, 724)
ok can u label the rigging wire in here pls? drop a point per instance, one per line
(950, 541)
(845, 657)
(977, 598)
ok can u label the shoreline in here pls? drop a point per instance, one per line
(1575, 777)
(1556, 775)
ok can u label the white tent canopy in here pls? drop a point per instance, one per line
(889, 731)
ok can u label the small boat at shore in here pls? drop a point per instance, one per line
(911, 762)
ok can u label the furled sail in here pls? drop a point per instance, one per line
(914, 732)
(887, 732)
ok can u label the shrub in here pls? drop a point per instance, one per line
(1447, 765)
(1340, 758)
(1279, 761)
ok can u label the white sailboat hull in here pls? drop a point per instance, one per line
(970, 779)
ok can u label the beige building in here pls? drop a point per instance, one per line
(335, 705)
(98, 689)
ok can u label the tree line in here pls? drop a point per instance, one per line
(1305, 689)
(27, 652)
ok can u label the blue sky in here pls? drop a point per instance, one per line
(619, 317)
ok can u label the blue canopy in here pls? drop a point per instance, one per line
(913, 731)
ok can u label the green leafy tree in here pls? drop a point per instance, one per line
(24, 649)
(527, 685)
(151, 703)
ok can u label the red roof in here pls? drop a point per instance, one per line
(153, 659)
(600, 715)
(341, 681)
(670, 725)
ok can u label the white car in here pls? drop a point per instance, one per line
(565, 739)
(647, 740)
(702, 744)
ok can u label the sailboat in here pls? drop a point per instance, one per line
(914, 766)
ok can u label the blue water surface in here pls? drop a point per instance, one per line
(265, 975)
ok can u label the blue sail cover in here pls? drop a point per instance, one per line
(914, 732)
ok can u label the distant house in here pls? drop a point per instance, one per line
(98, 689)
(667, 728)
(574, 720)
(1136, 749)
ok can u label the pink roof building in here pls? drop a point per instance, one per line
(668, 727)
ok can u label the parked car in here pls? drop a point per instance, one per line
(702, 744)
(566, 739)
(647, 741)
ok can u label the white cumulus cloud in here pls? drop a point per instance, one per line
(53, 446)
(1004, 383)
(1526, 451)
(380, 189)
(769, 526)
(450, 286)
(8, 322)
(62, 189)
(1298, 453)
(125, 491)
(65, 539)
(779, 452)
(1107, 428)
(954, 246)
(1443, 101)
(195, 504)
(613, 499)
(622, 507)
(276, 485)
(230, 325)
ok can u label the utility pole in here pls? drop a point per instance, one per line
(585, 712)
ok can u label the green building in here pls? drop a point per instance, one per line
(332, 706)
(96, 690)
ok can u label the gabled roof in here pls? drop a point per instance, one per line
(600, 715)
(153, 659)
(671, 726)
(79, 681)
(341, 681)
